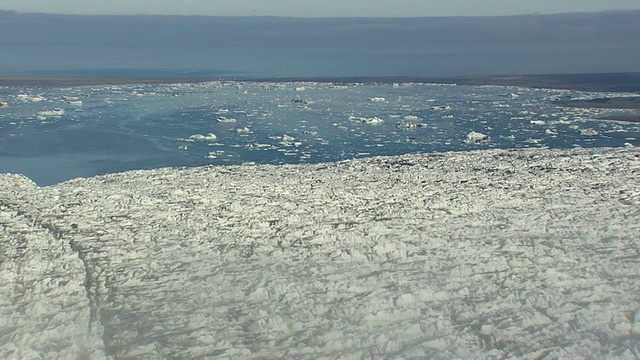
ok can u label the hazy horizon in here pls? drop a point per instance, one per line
(315, 9)
(126, 45)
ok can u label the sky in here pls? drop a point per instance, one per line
(317, 8)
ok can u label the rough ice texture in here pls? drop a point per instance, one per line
(488, 254)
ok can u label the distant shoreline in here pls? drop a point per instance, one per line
(605, 82)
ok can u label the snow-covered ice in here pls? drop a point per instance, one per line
(484, 254)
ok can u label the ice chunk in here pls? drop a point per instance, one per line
(56, 113)
(377, 99)
(372, 120)
(200, 137)
(185, 140)
(477, 138)
(30, 98)
(589, 132)
(214, 154)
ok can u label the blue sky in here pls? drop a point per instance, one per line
(317, 8)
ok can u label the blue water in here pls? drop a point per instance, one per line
(55, 134)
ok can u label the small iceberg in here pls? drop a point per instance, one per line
(30, 98)
(377, 99)
(410, 125)
(200, 137)
(55, 113)
(371, 121)
(589, 132)
(477, 138)
(226, 120)
(441, 107)
(214, 154)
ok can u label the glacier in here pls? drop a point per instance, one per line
(497, 253)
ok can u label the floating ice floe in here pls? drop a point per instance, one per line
(77, 103)
(377, 99)
(441, 107)
(2, 103)
(199, 137)
(180, 139)
(538, 122)
(477, 138)
(243, 130)
(29, 98)
(226, 120)
(214, 154)
(284, 137)
(410, 125)
(365, 120)
(55, 113)
(208, 137)
(259, 146)
(589, 132)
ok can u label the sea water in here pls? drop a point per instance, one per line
(55, 134)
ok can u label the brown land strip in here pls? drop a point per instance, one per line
(603, 103)
(631, 103)
(88, 81)
(608, 82)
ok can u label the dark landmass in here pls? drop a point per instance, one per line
(88, 81)
(603, 103)
(625, 118)
(631, 103)
(606, 82)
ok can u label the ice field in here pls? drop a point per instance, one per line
(55, 134)
(488, 254)
(323, 221)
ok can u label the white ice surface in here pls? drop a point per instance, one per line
(487, 254)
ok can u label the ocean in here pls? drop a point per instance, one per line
(55, 134)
